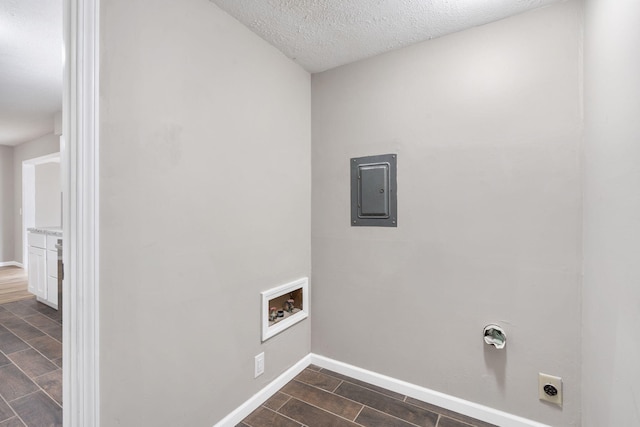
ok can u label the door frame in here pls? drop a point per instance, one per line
(28, 199)
(79, 162)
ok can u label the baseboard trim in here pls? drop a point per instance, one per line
(465, 407)
(242, 411)
(480, 412)
(11, 264)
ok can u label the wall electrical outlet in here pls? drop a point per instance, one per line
(550, 388)
(259, 365)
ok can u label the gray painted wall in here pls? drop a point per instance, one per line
(611, 295)
(47, 197)
(42, 146)
(6, 204)
(487, 127)
(205, 170)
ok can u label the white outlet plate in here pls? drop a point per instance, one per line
(259, 365)
(544, 379)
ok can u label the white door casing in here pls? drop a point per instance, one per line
(81, 310)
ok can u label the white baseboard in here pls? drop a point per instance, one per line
(461, 406)
(242, 411)
(10, 264)
(480, 412)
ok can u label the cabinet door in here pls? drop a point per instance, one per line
(52, 264)
(52, 292)
(37, 274)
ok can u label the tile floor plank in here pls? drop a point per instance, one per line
(40, 321)
(372, 418)
(9, 343)
(38, 409)
(39, 398)
(5, 314)
(3, 360)
(19, 309)
(14, 384)
(22, 329)
(55, 332)
(448, 413)
(5, 411)
(263, 417)
(276, 401)
(52, 384)
(365, 385)
(323, 399)
(312, 416)
(50, 348)
(397, 408)
(12, 422)
(318, 379)
(32, 363)
(51, 313)
(450, 422)
(308, 404)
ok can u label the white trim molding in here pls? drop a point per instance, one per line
(461, 406)
(11, 264)
(242, 411)
(81, 392)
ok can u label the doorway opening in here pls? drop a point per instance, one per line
(41, 197)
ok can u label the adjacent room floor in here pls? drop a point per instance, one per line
(321, 398)
(30, 364)
(13, 284)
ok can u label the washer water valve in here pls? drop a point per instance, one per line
(494, 335)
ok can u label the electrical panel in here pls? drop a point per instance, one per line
(374, 191)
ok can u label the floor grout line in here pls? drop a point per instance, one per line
(359, 403)
(21, 309)
(330, 392)
(35, 383)
(39, 388)
(363, 385)
(10, 407)
(285, 402)
(358, 414)
(286, 416)
(317, 407)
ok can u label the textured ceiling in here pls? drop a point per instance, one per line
(30, 68)
(322, 34)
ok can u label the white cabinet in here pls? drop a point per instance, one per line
(43, 267)
(37, 277)
(52, 271)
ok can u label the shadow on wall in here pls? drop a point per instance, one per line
(496, 362)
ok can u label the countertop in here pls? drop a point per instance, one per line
(52, 231)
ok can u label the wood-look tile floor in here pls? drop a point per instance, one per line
(13, 284)
(30, 364)
(321, 398)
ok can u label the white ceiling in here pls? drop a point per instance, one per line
(322, 34)
(31, 50)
